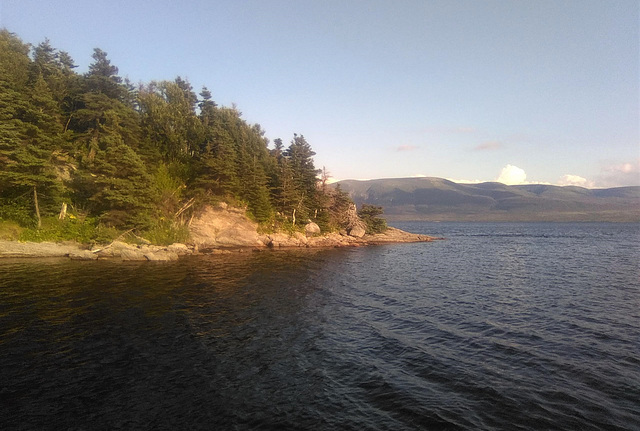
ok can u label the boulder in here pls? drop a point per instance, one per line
(161, 255)
(276, 240)
(132, 253)
(301, 238)
(180, 249)
(357, 231)
(311, 229)
(83, 255)
(224, 227)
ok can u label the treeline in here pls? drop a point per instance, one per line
(132, 156)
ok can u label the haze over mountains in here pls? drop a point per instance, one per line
(437, 199)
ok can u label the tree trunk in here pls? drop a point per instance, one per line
(63, 211)
(35, 201)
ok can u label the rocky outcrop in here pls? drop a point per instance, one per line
(222, 226)
(312, 228)
(115, 250)
(355, 226)
(217, 230)
(41, 249)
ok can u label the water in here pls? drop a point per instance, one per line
(499, 327)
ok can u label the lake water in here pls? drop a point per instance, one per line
(502, 326)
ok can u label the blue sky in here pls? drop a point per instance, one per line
(516, 91)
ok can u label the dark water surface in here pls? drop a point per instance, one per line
(500, 327)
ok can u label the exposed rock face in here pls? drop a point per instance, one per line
(357, 231)
(224, 227)
(355, 226)
(40, 249)
(115, 250)
(215, 229)
(312, 229)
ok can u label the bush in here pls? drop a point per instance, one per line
(87, 231)
(9, 230)
(369, 215)
(166, 232)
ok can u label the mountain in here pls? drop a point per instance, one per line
(437, 199)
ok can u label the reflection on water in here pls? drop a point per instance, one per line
(490, 329)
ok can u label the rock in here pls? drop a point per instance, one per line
(82, 255)
(161, 255)
(179, 249)
(41, 249)
(224, 227)
(119, 245)
(132, 254)
(357, 231)
(302, 239)
(312, 228)
(276, 240)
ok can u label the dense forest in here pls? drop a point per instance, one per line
(145, 156)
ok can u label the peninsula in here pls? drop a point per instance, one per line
(90, 163)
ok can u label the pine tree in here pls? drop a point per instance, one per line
(28, 133)
(124, 190)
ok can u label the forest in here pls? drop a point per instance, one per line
(93, 154)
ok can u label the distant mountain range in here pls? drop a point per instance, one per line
(437, 199)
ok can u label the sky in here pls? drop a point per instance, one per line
(539, 91)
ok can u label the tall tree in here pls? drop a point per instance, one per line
(28, 133)
(103, 76)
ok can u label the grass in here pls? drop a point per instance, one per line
(86, 231)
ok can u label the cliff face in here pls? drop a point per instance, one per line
(224, 227)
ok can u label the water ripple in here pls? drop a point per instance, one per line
(502, 326)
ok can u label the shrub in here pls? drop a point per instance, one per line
(369, 215)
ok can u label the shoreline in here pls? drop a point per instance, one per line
(122, 251)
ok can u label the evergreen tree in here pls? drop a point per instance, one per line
(124, 192)
(28, 134)
(103, 76)
(112, 135)
(302, 190)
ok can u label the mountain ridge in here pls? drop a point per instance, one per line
(438, 199)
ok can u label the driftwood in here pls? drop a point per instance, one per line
(184, 207)
(117, 239)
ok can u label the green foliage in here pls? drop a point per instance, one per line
(166, 232)
(10, 230)
(369, 215)
(85, 231)
(135, 158)
(19, 210)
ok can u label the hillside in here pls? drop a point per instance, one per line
(437, 199)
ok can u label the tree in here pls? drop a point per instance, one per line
(124, 192)
(29, 132)
(103, 76)
(169, 118)
(369, 215)
(299, 191)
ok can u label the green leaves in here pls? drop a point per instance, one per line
(137, 157)
(369, 215)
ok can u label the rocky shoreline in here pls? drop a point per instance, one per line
(218, 229)
(119, 250)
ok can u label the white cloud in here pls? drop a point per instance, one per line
(512, 175)
(465, 181)
(575, 180)
(620, 174)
